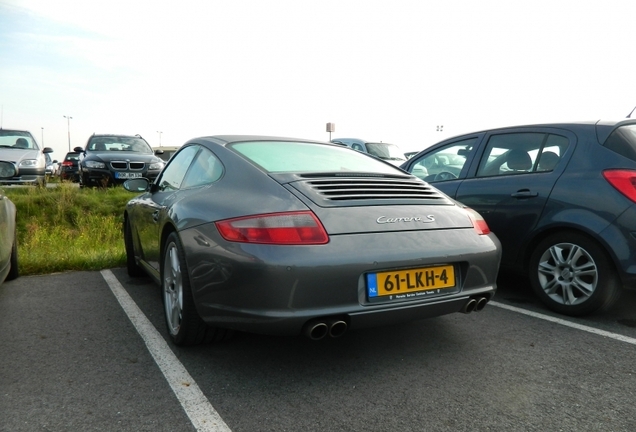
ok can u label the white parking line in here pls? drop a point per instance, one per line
(588, 329)
(197, 407)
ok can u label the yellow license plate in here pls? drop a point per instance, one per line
(403, 282)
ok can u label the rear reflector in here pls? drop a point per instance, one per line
(290, 228)
(479, 224)
(623, 180)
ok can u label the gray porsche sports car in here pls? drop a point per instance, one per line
(285, 236)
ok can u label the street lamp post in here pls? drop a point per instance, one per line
(42, 136)
(159, 132)
(68, 125)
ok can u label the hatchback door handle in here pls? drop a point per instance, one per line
(524, 193)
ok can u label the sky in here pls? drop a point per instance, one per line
(409, 72)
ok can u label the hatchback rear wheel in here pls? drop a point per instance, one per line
(573, 275)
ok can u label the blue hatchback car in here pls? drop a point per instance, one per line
(561, 198)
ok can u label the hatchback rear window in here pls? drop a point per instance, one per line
(283, 156)
(623, 141)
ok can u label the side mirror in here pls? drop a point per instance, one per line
(78, 149)
(158, 151)
(141, 184)
(7, 169)
(47, 150)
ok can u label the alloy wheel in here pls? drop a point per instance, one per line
(567, 274)
(173, 289)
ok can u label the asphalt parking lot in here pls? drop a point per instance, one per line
(87, 351)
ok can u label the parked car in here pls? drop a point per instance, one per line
(69, 169)
(385, 151)
(8, 238)
(282, 236)
(560, 197)
(112, 159)
(20, 147)
(52, 166)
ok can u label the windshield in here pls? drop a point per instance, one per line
(17, 139)
(278, 156)
(385, 151)
(117, 143)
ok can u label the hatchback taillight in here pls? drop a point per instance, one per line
(289, 228)
(623, 180)
(479, 224)
(67, 163)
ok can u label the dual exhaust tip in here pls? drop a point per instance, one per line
(474, 304)
(319, 328)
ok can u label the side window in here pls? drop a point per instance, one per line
(205, 169)
(446, 163)
(358, 147)
(521, 153)
(511, 153)
(173, 174)
(551, 153)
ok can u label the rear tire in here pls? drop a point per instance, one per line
(573, 275)
(134, 270)
(184, 324)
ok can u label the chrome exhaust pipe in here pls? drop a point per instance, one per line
(337, 328)
(481, 303)
(469, 306)
(316, 330)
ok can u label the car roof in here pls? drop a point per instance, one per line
(115, 135)
(228, 139)
(604, 127)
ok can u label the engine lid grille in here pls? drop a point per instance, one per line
(368, 190)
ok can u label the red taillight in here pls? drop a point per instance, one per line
(291, 228)
(67, 163)
(479, 224)
(623, 180)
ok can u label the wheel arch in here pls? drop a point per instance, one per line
(532, 244)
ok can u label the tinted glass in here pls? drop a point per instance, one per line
(279, 156)
(205, 169)
(173, 174)
(623, 141)
(523, 152)
(448, 159)
(385, 151)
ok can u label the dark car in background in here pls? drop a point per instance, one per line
(8, 237)
(69, 168)
(385, 151)
(560, 197)
(286, 236)
(20, 148)
(110, 159)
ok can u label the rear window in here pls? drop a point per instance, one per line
(282, 156)
(623, 141)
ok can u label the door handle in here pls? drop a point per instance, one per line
(524, 193)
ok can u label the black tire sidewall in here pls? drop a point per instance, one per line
(608, 286)
(134, 270)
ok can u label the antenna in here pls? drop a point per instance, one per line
(630, 113)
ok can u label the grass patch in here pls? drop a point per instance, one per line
(67, 228)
